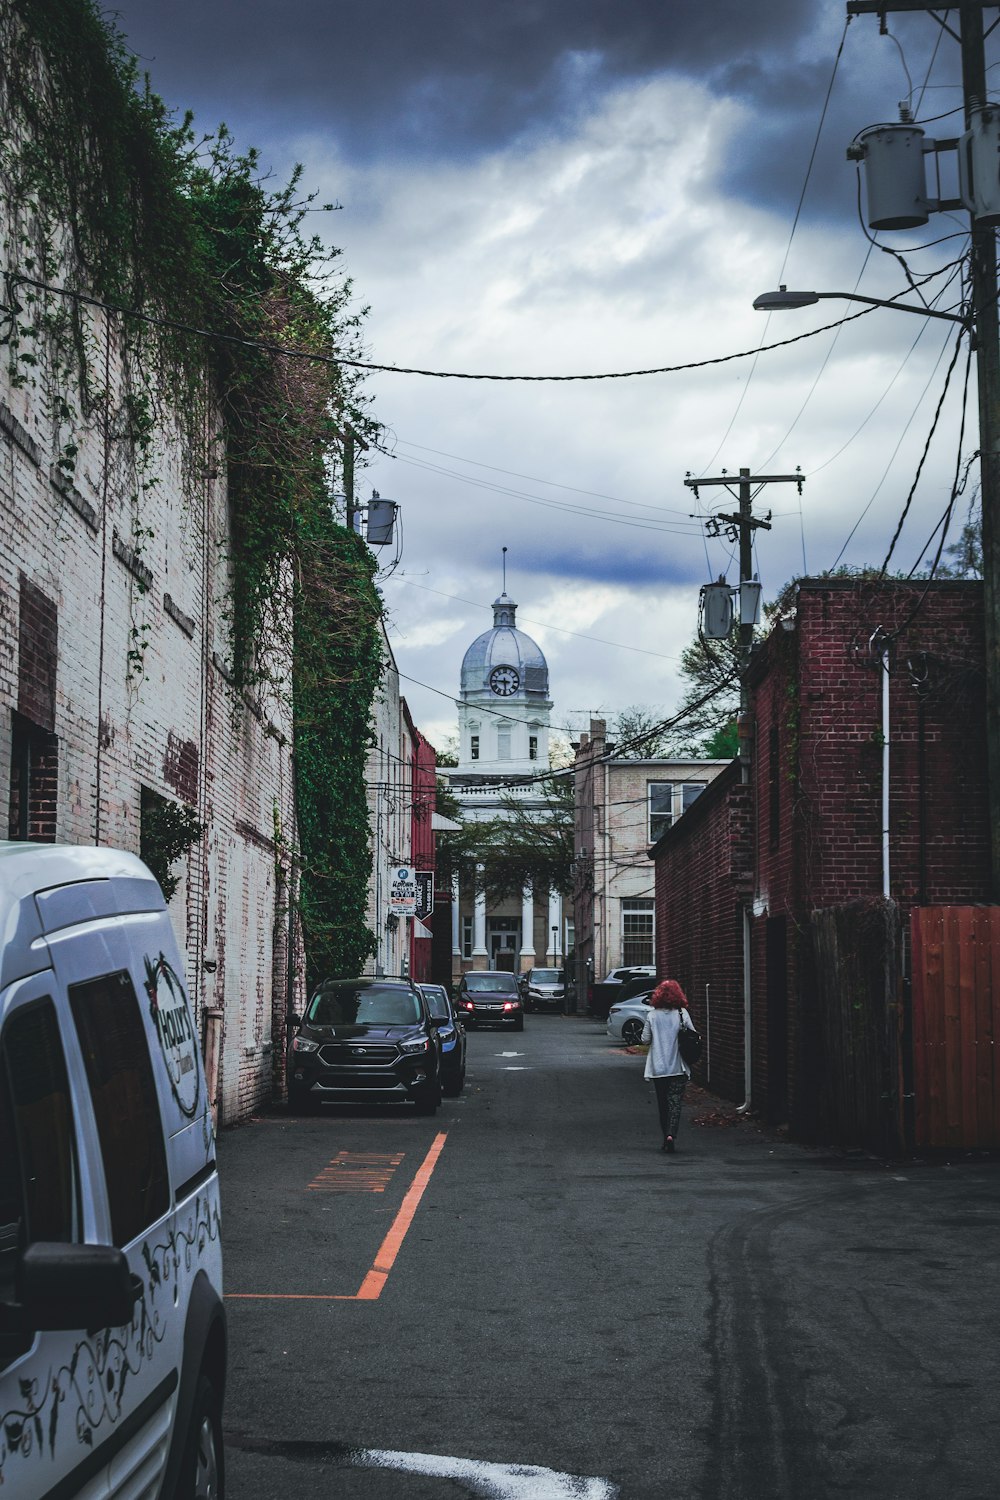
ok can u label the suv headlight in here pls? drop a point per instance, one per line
(303, 1044)
(421, 1045)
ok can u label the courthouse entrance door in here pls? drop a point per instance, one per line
(503, 939)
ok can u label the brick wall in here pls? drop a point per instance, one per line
(703, 882)
(113, 645)
(817, 776)
(806, 835)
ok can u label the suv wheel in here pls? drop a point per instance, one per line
(427, 1099)
(455, 1084)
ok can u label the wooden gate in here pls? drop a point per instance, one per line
(956, 1023)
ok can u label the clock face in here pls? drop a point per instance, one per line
(504, 681)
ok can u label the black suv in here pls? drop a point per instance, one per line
(365, 1039)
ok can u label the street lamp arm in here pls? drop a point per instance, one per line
(783, 299)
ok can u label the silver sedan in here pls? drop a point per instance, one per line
(626, 1019)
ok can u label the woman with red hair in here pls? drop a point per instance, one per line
(664, 1064)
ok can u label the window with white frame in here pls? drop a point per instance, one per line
(532, 746)
(466, 937)
(503, 742)
(474, 747)
(667, 801)
(638, 931)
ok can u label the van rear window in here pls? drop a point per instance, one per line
(127, 1111)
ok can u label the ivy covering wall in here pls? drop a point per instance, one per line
(112, 198)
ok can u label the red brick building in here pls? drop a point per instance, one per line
(423, 782)
(742, 873)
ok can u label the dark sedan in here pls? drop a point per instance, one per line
(490, 997)
(365, 1039)
(451, 1033)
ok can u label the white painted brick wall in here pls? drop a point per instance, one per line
(114, 729)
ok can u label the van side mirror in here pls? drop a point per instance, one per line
(63, 1287)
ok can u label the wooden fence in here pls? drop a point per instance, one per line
(854, 1025)
(956, 1023)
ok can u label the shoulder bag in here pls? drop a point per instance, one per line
(688, 1042)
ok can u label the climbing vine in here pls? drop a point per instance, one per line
(111, 197)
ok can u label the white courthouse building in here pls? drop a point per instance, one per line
(503, 729)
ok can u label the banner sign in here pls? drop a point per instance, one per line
(425, 892)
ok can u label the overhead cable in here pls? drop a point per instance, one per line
(266, 347)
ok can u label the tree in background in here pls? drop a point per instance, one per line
(708, 731)
(522, 844)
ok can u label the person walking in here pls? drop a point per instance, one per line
(664, 1064)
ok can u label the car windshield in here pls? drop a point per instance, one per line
(437, 1000)
(504, 983)
(546, 976)
(363, 1004)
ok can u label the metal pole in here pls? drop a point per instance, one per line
(987, 335)
(745, 631)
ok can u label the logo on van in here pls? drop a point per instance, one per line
(171, 1015)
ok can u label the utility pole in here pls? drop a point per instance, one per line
(970, 37)
(741, 527)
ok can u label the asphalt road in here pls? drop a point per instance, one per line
(524, 1297)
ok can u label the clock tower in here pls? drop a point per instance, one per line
(504, 706)
(503, 730)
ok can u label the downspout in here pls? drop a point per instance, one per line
(742, 1109)
(877, 638)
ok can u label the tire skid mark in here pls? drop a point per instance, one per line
(757, 1395)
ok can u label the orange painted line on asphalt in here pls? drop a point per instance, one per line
(371, 1288)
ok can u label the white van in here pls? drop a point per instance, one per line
(112, 1329)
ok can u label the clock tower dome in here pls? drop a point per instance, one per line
(504, 705)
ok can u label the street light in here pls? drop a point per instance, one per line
(783, 299)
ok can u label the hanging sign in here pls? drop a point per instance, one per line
(403, 891)
(425, 892)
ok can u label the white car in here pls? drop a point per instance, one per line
(637, 971)
(112, 1327)
(626, 1019)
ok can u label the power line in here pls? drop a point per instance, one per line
(927, 444)
(788, 246)
(539, 624)
(555, 483)
(264, 346)
(892, 457)
(564, 506)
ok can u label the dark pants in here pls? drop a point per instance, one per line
(669, 1095)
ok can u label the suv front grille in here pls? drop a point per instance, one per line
(357, 1054)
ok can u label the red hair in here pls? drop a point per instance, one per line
(668, 995)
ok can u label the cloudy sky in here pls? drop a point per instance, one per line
(568, 187)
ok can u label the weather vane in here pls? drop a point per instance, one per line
(505, 570)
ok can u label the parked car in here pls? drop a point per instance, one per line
(112, 1326)
(365, 1039)
(543, 989)
(451, 1032)
(637, 971)
(490, 997)
(626, 1018)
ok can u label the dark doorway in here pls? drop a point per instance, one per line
(34, 782)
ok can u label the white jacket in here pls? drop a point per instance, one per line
(660, 1030)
